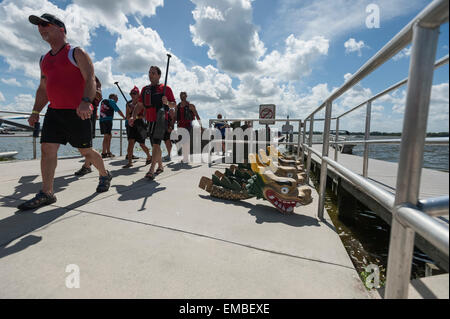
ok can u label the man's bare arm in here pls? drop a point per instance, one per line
(196, 115)
(139, 107)
(87, 71)
(40, 101)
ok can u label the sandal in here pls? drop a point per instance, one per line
(150, 176)
(148, 161)
(159, 171)
(41, 199)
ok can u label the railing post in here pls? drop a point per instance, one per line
(323, 168)
(303, 142)
(367, 137)
(298, 138)
(308, 161)
(120, 137)
(421, 69)
(336, 139)
(209, 147)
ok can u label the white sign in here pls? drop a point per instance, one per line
(266, 113)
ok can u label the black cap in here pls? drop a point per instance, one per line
(49, 18)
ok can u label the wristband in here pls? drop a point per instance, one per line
(34, 112)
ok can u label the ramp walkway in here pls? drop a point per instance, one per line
(161, 239)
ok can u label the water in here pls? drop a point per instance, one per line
(366, 239)
(435, 156)
(24, 146)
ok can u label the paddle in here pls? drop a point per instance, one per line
(117, 83)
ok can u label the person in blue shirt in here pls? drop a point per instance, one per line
(221, 126)
(107, 109)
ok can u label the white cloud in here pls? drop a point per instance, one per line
(406, 52)
(351, 45)
(295, 62)
(22, 103)
(138, 48)
(21, 45)
(226, 28)
(439, 108)
(2, 97)
(11, 81)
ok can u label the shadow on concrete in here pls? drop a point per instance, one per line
(22, 244)
(27, 187)
(25, 222)
(269, 214)
(125, 171)
(178, 166)
(141, 189)
(119, 162)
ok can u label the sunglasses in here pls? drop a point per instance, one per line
(44, 24)
(133, 93)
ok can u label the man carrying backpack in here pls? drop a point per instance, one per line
(157, 108)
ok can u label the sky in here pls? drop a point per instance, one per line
(230, 56)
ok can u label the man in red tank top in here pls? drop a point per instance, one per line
(68, 83)
(152, 100)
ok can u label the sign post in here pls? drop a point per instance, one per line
(267, 117)
(288, 129)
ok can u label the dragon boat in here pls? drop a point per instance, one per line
(261, 178)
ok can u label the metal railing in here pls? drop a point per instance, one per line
(34, 139)
(261, 121)
(408, 212)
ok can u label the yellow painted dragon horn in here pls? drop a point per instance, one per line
(252, 158)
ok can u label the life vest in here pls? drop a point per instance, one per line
(188, 115)
(106, 110)
(151, 97)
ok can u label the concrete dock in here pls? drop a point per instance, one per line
(165, 238)
(384, 174)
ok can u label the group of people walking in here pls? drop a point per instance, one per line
(73, 93)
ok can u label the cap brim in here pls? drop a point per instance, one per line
(37, 20)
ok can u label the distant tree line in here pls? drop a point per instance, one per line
(376, 133)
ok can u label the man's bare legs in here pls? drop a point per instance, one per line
(156, 158)
(106, 143)
(49, 161)
(146, 151)
(94, 157)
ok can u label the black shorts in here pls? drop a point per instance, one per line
(166, 136)
(150, 127)
(137, 132)
(105, 127)
(62, 126)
